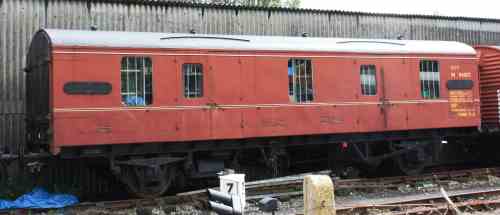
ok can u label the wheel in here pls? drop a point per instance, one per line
(143, 182)
(349, 172)
(277, 161)
(412, 162)
(180, 181)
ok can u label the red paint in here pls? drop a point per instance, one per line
(489, 74)
(249, 97)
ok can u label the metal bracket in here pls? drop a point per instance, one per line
(149, 162)
(154, 163)
(374, 161)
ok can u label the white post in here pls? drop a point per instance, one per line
(234, 185)
(318, 195)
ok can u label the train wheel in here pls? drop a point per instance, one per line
(412, 162)
(180, 181)
(277, 160)
(348, 171)
(145, 182)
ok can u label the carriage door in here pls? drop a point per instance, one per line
(193, 77)
(225, 96)
(370, 116)
(394, 100)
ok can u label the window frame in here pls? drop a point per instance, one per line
(292, 92)
(429, 78)
(367, 69)
(183, 77)
(145, 71)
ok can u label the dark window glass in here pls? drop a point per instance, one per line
(429, 79)
(459, 84)
(368, 80)
(136, 81)
(87, 88)
(192, 76)
(300, 81)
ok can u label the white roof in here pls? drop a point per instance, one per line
(243, 42)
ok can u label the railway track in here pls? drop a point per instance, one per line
(415, 203)
(292, 186)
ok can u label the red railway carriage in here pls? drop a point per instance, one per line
(173, 96)
(489, 74)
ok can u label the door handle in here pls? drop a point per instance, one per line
(212, 105)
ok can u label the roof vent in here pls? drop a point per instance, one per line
(205, 37)
(372, 42)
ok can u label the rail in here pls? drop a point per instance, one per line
(292, 186)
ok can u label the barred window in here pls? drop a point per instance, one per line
(429, 79)
(137, 83)
(192, 76)
(368, 80)
(300, 82)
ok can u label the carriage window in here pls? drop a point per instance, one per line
(192, 76)
(300, 86)
(137, 83)
(429, 79)
(368, 80)
(87, 88)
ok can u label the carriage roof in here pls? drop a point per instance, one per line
(117, 39)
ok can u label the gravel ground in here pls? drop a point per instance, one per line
(294, 205)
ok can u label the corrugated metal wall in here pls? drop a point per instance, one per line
(19, 19)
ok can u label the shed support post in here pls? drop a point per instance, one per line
(318, 195)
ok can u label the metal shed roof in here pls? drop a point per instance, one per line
(260, 43)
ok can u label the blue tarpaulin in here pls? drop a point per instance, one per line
(135, 101)
(39, 198)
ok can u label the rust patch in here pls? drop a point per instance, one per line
(326, 119)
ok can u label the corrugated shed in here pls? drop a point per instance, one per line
(19, 19)
(11, 132)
